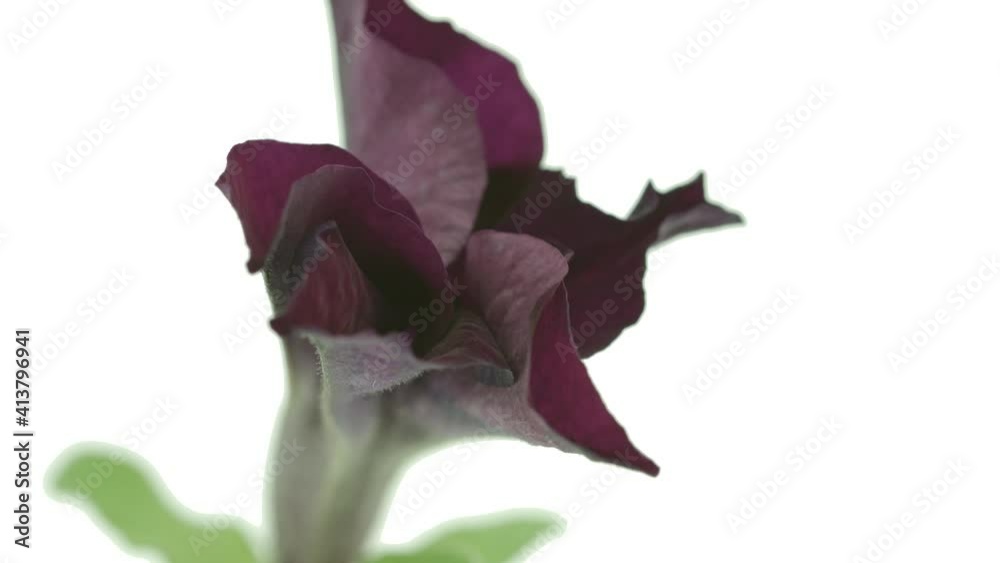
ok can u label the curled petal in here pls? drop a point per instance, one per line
(516, 281)
(510, 278)
(285, 193)
(258, 177)
(378, 228)
(349, 268)
(470, 342)
(608, 259)
(325, 288)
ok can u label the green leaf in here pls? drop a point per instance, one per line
(501, 538)
(124, 494)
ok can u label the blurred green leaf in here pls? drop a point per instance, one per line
(125, 495)
(500, 538)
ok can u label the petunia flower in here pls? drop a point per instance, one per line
(432, 281)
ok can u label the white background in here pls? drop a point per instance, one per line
(142, 203)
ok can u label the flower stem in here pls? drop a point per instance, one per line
(329, 497)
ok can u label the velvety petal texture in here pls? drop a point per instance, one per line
(322, 285)
(258, 178)
(284, 192)
(507, 114)
(431, 110)
(348, 260)
(516, 281)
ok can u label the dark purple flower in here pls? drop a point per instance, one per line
(435, 282)
(448, 274)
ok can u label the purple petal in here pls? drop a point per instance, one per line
(284, 193)
(257, 180)
(516, 281)
(326, 289)
(562, 392)
(346, 256)
(510, 278)
(508, 117)
(431, 110)
(470, 342)
(608, 254)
